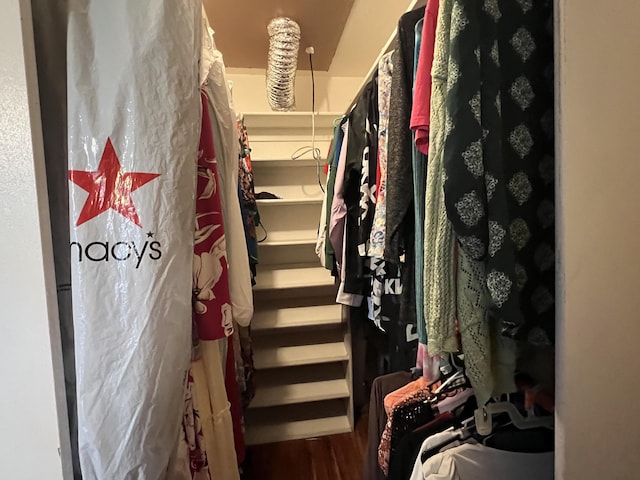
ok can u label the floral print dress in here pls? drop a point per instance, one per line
(211, 298)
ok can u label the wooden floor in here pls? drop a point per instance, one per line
(336, 457)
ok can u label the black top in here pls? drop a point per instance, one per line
(399, 169)
(499, 155)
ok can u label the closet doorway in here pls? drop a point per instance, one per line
(596, 276)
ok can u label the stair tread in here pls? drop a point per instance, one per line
(283, 356)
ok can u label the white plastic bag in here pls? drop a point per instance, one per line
(134, 123)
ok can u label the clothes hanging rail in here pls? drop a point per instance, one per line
(385, 49)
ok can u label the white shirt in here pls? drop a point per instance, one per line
(478, 462)
(227, 155)
(431, 442)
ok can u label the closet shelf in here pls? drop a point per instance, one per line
(255, 120)
(303, 190)
(285, 163)
(289, 201)
(285, 356)
(297, 317)
(301, 344)
(270, 396)
(291, 237)
(293, 430)
(295, 276)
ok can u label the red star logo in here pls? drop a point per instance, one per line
(109, 187)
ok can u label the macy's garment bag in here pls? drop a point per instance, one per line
(134, 124)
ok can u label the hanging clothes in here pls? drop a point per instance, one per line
(399, 211)
(489, 357)
(421, 108)
(133, 123)
(211, 296)
(323, 225)
(402, 462)
(245, 369)
(190, 462)
(470, 130)
(428, 362)
(477, 462)
(368, 176)
(419, 170)
(439, 261)
(380, 388)
(223, 120)
(216, 414)
(338, 206)
(400, 245)
(386, 284)
(336, 146)
(416, 391)
(246, 193)
(213, 323)
(356, 272)
(235, 404)
(378, 228)
(241, 338)
(420, 120)
(500, 153)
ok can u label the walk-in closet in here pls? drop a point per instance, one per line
(341, 240)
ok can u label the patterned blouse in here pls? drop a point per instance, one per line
(499, 155)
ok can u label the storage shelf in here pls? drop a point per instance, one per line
(285, 163)
(275, 278)
(290, 237)
(285, 149)
(269, 396)
(255, 120)
(284, 356)
(297, 317)
(306, 191)
(301, 345)
(293, 430)
(276, 202)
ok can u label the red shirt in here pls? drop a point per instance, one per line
(211, 298)
(421, 109)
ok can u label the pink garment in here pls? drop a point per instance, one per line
(421, 109)
(338, 205)
(430, 365)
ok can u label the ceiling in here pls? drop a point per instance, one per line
(368, 29)
(241, 29)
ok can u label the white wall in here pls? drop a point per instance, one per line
(29, 433)
(333, 93)
(598, 421)
(367, 29)
(599, 174)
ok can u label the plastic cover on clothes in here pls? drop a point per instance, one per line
(134, 125)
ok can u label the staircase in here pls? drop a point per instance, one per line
(301, 341)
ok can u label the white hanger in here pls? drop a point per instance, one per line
(484, 418)
(456, 376)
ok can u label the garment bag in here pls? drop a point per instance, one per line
(134, 124)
